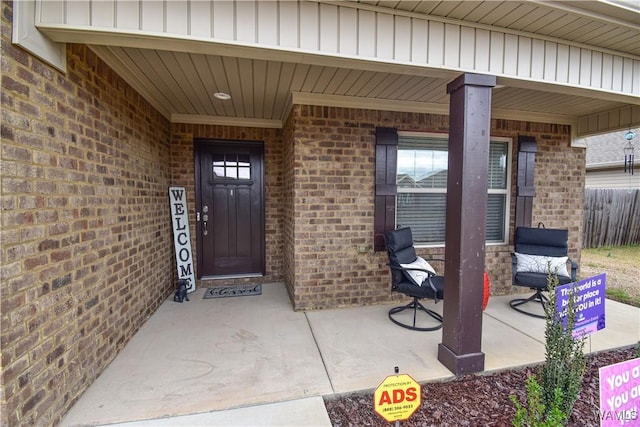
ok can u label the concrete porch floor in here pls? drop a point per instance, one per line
(253, 361)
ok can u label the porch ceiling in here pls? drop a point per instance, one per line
(182, 86)
(264, 84)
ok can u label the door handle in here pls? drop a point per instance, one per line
(205, 218)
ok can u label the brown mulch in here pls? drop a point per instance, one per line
(476, 400)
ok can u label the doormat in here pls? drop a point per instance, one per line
(233, 291)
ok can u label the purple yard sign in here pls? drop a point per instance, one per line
(589, 301)
(620, 394)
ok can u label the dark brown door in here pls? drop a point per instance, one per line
(230, 220)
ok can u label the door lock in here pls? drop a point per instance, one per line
(205, 218)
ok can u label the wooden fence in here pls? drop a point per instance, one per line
(611, 217)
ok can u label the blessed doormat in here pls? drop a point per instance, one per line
(233, 291)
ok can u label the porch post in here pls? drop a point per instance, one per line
(469, 129)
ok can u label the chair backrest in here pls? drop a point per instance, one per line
(399, 244)
(541, 241)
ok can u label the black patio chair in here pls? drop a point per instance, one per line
(412, 276)
(539, 252)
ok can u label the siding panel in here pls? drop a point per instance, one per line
(78, 14)
(574, 65)
(51, 12)
(510, 54)
(402, 39)
(496, 52)
(384, 36)
(177, 17)
(436, 43)
(585, 67)
(223, 27)
(468, 48)
(524, 57)
(309, 26)
(348, 44)
(483, 48)
(328, 28)
(419, 41)
(538, 59)
(367, 34)
(345, 28)
(452, 49)
(289, 25)
(246, 24)
(127, 15)
(550, 61)
(200, 19)
(103, 14)
(152, 16)
(268, 24)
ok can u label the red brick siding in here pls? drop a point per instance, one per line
(289, 211)
(333, 187)
(85, 226)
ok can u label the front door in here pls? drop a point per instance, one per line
(229, 200)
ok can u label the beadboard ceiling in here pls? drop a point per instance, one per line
(181, 85)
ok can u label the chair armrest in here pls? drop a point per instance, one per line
(514, 267)
(574, 270)
(430, 274)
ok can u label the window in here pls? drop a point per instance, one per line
(231, 167)
(422, 187)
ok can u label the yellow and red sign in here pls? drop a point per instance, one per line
(397, 397)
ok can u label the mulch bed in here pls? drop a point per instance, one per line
(476, 400)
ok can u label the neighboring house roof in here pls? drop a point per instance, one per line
(424, 180)
(606, 151)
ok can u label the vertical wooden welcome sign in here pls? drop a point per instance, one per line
(181, 236)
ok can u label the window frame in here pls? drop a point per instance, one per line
(506, 191)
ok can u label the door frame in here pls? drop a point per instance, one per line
(199, 142)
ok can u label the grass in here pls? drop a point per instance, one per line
(620, 263)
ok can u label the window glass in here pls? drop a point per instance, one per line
(422, 185)
(422, 165)
(231, 167)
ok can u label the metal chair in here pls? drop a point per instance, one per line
(540, 252)
(412, 276)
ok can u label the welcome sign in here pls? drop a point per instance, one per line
(181, 236)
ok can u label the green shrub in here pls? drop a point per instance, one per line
(552, 392)
(536, 413)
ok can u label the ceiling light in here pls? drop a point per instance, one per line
(222, 95)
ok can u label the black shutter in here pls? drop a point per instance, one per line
(526, 189)
(386, 188)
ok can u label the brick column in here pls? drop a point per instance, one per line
(470, 121)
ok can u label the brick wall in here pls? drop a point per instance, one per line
(289, 212)
(560, 175)
(183, 174)
(333, 151)
(86, 235)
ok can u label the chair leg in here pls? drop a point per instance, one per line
(538, 296)
(416, 306)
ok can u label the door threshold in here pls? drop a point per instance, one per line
(232, 276)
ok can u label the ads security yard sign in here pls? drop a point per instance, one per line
(397, 397)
